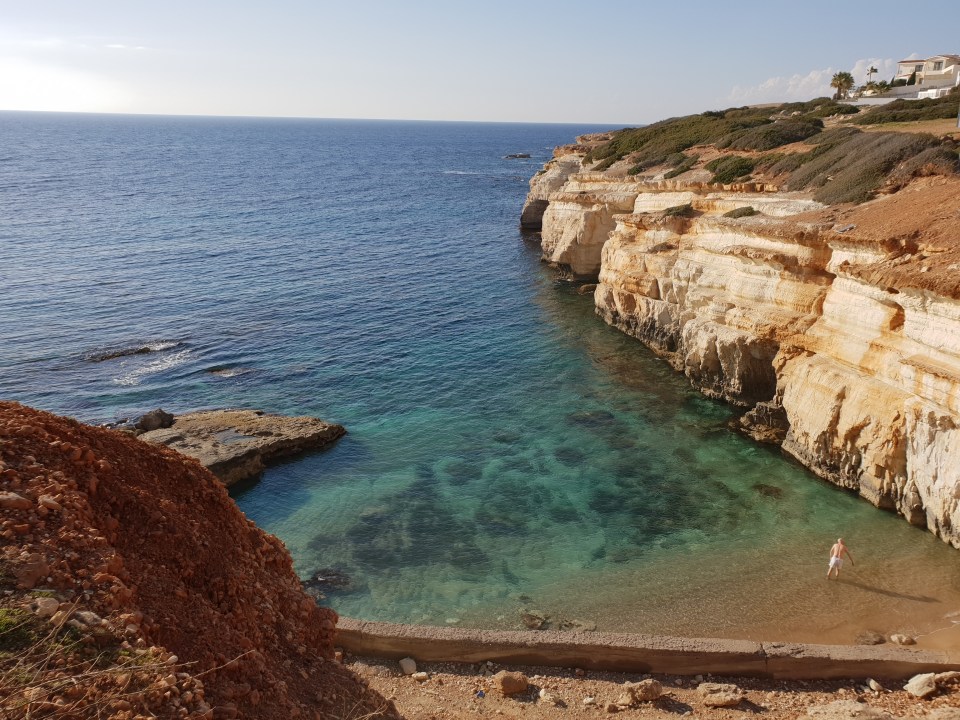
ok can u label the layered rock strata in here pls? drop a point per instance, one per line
(838, 329)
(236, 445)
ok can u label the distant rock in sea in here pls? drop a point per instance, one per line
(145, 349)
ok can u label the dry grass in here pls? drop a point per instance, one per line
(46, 671)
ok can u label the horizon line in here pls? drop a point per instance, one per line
(312, 117)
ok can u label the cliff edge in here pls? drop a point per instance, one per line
(796, 266)
(132, 586)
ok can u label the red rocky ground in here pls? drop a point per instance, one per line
(134, 555)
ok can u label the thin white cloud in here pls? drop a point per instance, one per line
(28, 85)
(886, 69)
(815, 83)
(784, 89)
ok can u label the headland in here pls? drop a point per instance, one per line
(797, 261)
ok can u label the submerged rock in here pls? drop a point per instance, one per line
(577, 625)
(325, 581)
(902, 639)
(114, 353)
(770, 491)
(236, 445)
(534, 620)
(869, 637)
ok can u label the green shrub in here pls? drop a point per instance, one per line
(937, 160)
(782, 132)
(741, 212)
(851, 167)
(805, 107)
(911, 111)
(680, 211)
(653, 144)
(788, 163)
(604, 164)
(834, 109)
(681, 167)
(728, 169)
(768, 160)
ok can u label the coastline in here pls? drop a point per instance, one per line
(639, 653)
(831, 325)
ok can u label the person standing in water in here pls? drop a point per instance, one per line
(837, 553)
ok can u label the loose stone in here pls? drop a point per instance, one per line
(510, 683)
(921, 686)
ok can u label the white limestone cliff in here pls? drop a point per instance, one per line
(856, 373)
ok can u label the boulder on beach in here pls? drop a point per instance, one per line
(510, 683)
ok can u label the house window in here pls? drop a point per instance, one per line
(938, 65)
(918, 68)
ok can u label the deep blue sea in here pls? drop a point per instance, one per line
(507, 451)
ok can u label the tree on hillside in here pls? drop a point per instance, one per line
(871, 71)
(842, 81)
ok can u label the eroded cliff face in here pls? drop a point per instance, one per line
(838, 329)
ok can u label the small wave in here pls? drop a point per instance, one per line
(144, 349)
(460, 172)
(135, 377)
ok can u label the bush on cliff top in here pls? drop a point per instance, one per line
(653, 144)
(728, 169)
(843, 165)
(911, 111)
(834, 109)
(852, 167)
(687, 162)
(748, 127)
(741, 212)
(686, 211)
(773, 135)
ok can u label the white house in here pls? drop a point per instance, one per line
(939, 71)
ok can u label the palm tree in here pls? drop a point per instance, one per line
(842, 81)
(871, 71)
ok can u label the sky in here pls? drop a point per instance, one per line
(606, 62)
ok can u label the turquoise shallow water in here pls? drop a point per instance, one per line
(506, 450)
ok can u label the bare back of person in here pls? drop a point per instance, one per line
(837, 553)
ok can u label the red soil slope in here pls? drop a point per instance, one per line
(152, 542)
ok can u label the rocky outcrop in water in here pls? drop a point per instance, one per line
(236, 445)
(836, 328)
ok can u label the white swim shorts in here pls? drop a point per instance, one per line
(836, 562)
